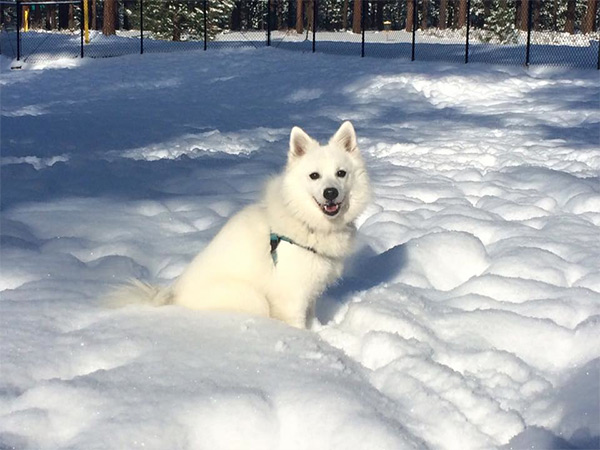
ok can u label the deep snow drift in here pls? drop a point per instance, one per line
(469, 317)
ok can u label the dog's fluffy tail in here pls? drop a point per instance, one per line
(137, 292)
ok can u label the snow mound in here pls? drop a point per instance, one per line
(443, 260)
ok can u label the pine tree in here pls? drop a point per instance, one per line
(184, 20)
(500, 24)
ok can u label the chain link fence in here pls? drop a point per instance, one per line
(544, 32)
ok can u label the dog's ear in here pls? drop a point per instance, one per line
(345, 137)
(300, 142)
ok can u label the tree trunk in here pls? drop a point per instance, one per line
(279, 15)
(236, 17)
(94, 12)
(462, 14)
(310, 16)
(127, 6)
(379, 16)
(524, 15)
(455, 14)
(37, 17)
(299, 17)
(108, 25)
(71, 17)
(356, 28)
(345, 15)
(63, 16)
(177, 27)
(424, 14)
(589, 22)
(410, 13)
(51, 17)
(536, 15)
(443, 15)
(570, 23)
(247, 20)
(487, 8)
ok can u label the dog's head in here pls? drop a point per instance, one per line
(327, 185)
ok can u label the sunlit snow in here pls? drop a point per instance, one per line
(468, 318)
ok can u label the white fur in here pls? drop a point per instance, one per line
(236, 271)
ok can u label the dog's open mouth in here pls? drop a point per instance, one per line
(330, 208)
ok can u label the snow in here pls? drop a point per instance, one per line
(469, 316)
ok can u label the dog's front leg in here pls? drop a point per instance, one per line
(291, 309)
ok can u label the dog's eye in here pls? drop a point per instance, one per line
(314, 176)
(341, 173)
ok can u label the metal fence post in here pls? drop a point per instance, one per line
(18, 30)
(362, 27)
(268, 23)
(82, 25)
(414, 30)
(205, 12)
(141, 27)
(314, 27)
(529, 24)
(468, 31)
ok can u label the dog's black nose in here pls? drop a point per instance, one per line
(330, 193)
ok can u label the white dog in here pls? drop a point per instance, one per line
(274, 258)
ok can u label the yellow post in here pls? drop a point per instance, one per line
(26, 18)
(86, 28)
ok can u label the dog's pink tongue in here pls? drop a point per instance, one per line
(331, 208)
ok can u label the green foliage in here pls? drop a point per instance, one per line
(499, 26)
(184, 20)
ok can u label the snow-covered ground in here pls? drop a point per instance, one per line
(469, 317)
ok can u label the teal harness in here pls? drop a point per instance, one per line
(277, 238)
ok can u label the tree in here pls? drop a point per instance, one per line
(410, 14)
(555, 9)
(279, 15)
(500, 25)
(589, 22)
(345, 15)
(93, 14)
(51, 17)
(310, 16)
(424, 5)
(461, 20)
(178, 21)
(236, 17)
(63, 16)
(379, 16)
(110, 12)
(537, 6)
(36, 17)
(299, 16)
(570, 23)
(356, 17)
(524, 14)
(443, 15)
